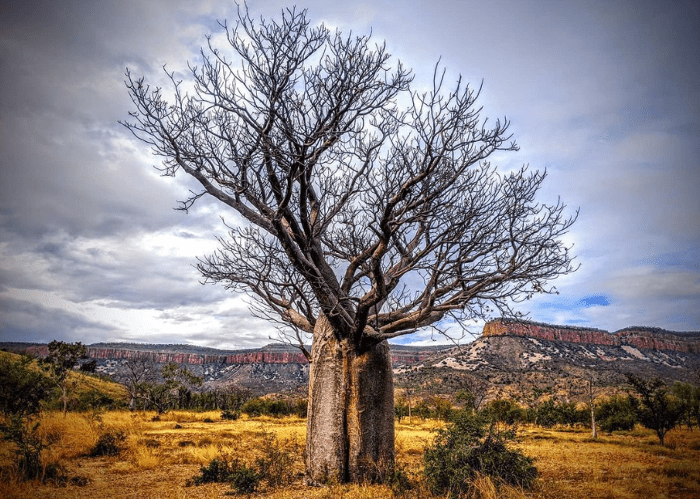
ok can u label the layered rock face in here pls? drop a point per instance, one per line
(637, 337)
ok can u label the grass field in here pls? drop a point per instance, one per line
(160, 458)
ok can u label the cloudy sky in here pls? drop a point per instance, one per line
(604, 95)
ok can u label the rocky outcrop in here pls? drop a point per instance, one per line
(638, 337)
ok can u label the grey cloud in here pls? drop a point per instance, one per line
(21, 320)
(604, 95)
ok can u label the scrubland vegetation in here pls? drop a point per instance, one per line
(162, 458)
(256, 448)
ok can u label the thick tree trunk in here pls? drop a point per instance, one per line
(350, 422)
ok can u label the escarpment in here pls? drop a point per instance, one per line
(645, 338)
(163, 354)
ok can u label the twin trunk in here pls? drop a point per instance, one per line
(350, 422)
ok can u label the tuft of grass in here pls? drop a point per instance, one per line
(205, 441)
(682, 469)
(145, 458)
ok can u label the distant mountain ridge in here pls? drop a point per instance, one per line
(274, 353)
(511, 356)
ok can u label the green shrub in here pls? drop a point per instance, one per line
(615, 414)
(547, 414)
(300, 408)
(244, 480)
(254, 407)
(22, 388)
(257, 406)
(473, 445)
(230, 415)
(506, 411)
(28, 446)
(220, 470)
(275, 466)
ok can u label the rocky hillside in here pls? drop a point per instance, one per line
(634, 337)
(272, 368)
(511, 358)
(527, 360)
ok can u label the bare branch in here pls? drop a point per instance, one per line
(383, 219)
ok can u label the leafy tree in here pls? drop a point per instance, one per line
(505, 411)
(234, 397)
(22, 390)
(546, 414)
(401, 408)
(658, 409)
(368, 209)
(569, 415)
(689, 397)
(471, 445)
(443, 408)
(89, 367)
(617, 413)
(58, 364)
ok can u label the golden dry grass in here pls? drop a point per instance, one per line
(161, 456)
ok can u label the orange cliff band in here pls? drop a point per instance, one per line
(638, 337)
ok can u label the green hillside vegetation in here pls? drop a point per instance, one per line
(89, 391)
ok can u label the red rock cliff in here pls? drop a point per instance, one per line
(638, 337)
(249, 357)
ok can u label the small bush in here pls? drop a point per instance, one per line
(398, 480)
(109, 444)
(276, 465)
(219, 470)
(230, 415)
(506, 411)
(472, 446)
(244, 480)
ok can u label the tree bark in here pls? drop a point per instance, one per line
(350, 421)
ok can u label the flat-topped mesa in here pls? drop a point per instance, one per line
(639, 337)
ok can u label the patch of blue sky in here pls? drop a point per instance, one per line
(585, 302)
(684, 319)
(688, 259)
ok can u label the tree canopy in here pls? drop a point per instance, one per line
(357, 196)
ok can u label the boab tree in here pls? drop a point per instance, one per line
(368, 210)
